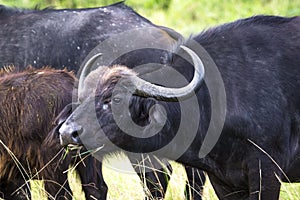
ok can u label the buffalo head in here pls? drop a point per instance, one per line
(114, 100)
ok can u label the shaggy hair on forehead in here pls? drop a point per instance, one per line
(104, 76)
(115, 72)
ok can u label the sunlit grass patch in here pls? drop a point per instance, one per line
(37, 190)
(75, 185)
(290, 191)
(121, 179)
(126, 185)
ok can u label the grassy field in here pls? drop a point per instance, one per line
(126, 185)
(187, 17)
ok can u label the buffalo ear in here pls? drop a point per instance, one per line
(65, 113)
(157, 115)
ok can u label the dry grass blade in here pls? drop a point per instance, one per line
(62, 187)
(19, 166)
(38, 172)
(277, 165)
(270, 157)
(79, 155)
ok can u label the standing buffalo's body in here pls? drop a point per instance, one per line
(30, 101)
(258, 61)
(63, 38)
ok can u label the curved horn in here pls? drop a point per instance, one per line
(86, 69)
(144, 88)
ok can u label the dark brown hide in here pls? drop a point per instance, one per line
(29, 101)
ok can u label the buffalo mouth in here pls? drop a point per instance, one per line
(74, 149)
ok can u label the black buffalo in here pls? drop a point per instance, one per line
(63, 38)
(30, 101)
(257, 58)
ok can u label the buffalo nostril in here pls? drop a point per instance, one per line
(69, 134)
(75, 135)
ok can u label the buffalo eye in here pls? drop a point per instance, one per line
(116, 100)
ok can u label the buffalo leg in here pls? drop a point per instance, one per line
(195, 183)
(93, 185)
(58, 190)
(262, 183)
(155, 174)
(56, 180)
(263, 180)
(226, 192)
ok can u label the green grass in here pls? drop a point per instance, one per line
(127, 185)
(124, 184)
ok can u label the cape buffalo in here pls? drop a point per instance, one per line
(30, 101)
(258, 146)
(63, 38)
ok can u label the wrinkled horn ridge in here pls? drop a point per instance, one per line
(144, 88)
(86, 69)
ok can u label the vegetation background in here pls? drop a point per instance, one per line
(187, 17)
